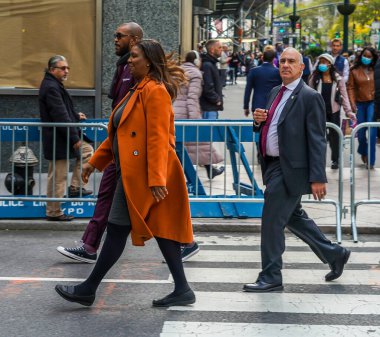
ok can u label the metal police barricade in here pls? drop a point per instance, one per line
(233, 134)
(337, 203)
(20, 202)
(244, 198)
(368, 201)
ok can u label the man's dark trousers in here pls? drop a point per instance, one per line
(284, 210)
(98, 223)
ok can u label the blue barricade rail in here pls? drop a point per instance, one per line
(246, 201)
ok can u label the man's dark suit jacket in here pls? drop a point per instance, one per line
(56, 106)
(262, 80)
(301, 139)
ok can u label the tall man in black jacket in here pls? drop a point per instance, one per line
(125, 36)
(293, 160)
(56, 106)
(211, 100)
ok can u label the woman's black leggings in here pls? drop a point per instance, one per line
(112, 249)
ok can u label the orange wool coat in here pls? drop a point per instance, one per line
(146, 140)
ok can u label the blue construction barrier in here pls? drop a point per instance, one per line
(246, 202)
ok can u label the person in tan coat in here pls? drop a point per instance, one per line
(150, 177)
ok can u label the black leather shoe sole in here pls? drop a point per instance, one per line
(265, 289)
(331, 276)
(184, 299)
(84, 300)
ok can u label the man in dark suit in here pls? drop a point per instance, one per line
(261, 80)
(293, 161)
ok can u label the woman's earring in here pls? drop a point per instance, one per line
(148, 65)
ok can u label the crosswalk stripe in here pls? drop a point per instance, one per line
(327, 300)
(347, 304)
(250, 240)
(66, 279)
(290, 276)
(288, 257)
(221, 329)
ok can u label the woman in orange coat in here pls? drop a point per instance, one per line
(151, 198)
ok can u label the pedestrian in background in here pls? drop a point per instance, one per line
(150, 181)
(261, 80)
(223, 61)
(126, 35)
(235, 63)
(377, 95)
(293, 151)
(340, 62)
(212, 96)
(327, 81)
(61, 144)
(308, 67)
(186, 106)
(361, 92)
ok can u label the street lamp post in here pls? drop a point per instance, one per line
(346, 9)
(293, 19)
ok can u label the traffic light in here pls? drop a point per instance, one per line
(298, 25)
(282, 30)
(337, 35)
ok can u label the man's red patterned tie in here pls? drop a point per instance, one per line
(264, 131)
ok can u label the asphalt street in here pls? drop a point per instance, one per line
(30, 267)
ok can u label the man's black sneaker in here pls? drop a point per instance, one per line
(334, 165)
(74, 192)
(78, 253)
(188, 251)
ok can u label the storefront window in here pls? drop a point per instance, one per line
(31, 31)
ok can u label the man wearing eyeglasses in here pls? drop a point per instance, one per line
(126, 35)
(61, 144)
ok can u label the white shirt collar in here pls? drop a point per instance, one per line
(291, 86)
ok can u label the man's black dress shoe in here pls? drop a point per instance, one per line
(262, 287)
(68, 293)
(338, 265)
(188, 297)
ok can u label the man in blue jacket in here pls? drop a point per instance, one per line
(261, 80)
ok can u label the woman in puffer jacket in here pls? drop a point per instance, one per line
(186, 106)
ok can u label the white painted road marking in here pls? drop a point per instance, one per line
(250, 240)
(290, 276)
(63, 279)
(287, 257)
(343, 304)
(221, 329)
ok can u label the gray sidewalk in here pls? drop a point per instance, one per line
(368, 216)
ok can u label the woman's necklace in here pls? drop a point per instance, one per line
(326, 79)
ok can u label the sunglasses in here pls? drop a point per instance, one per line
(119, 36)
(62, 68)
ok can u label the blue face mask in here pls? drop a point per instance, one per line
(323, 68)
(366, 61)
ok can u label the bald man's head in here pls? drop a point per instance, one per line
(126, 35)
(134, 29)
(291, 65)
